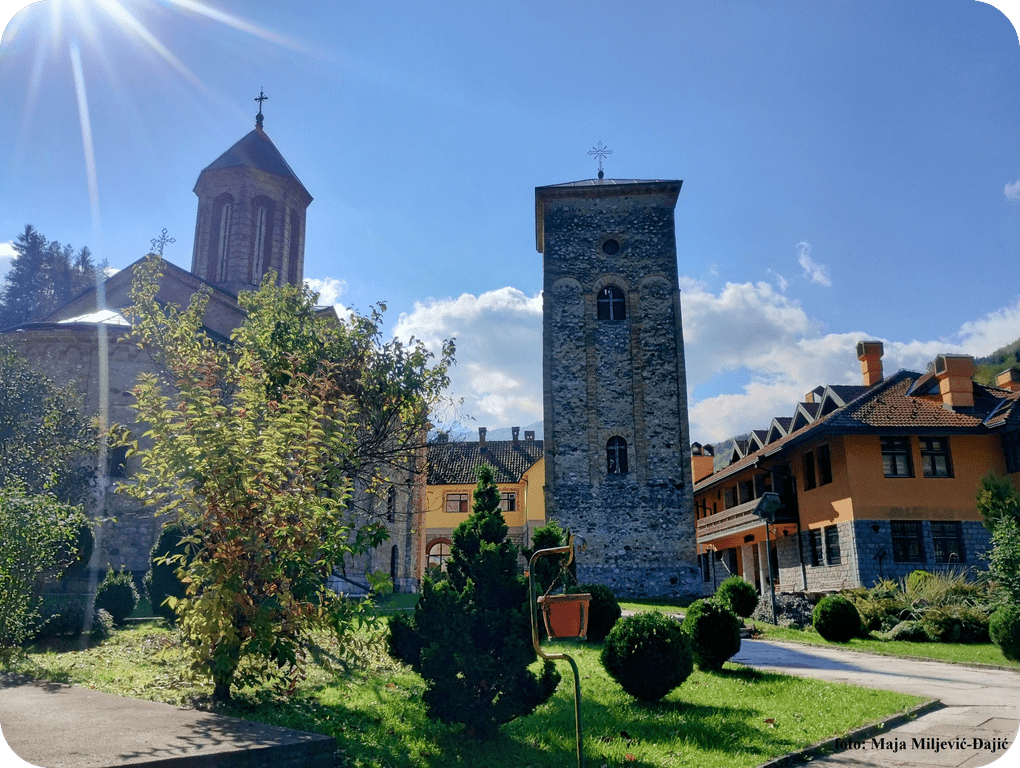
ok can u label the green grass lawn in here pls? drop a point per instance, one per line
(664, 605)
(738, 717)
(959, 653)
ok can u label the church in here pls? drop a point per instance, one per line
(251, 219)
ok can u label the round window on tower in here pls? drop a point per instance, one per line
(611, 247)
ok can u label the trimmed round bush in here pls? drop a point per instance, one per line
(714, 631)
(102, 625)
(739, 595)
(648, 654)
(161, 581)
(791, 610)
(603, 611)
(117, 595)
(1004, 628)
(916, 581)
(836, 619)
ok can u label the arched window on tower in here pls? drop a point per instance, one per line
(616, 456)
(391, 505)
(295, 243)
(394, 561)
(261, 227)
(611, 304)
(221, 239)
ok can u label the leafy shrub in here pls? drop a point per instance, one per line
(877, 615)
(714, 631)
(791, 610)
(648, 654)
(161, 581)
(117, 595)
(1004, 561)
(403, 642)
(603, 611)
(1004, 628)
(957, 624)
(65, 620)
(916, 580)
(910, 631)
(836, 619)
(102, 624)
(739, 595)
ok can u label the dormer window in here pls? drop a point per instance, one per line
(611, 304)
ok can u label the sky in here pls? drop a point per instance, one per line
(850, 170)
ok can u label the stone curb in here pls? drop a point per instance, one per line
(864, 732)
(885, 654)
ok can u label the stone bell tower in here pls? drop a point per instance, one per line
(617, 441)
(251, 216)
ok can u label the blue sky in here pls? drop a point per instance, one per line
(851, 170)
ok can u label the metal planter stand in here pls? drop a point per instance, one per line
(567, 550)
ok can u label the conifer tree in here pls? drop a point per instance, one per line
(474, 627)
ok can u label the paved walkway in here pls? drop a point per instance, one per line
(64, 726)
(980, 718)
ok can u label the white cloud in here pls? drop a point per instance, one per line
(7, 256)
(781, 281)
(816, 273)
(499, 351)
(1012, 191)
(766, 339)
(329, 289)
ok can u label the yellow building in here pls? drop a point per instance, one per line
(519, 469)
(875, 480)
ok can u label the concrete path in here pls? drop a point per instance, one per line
(980, 719)
(63, 726)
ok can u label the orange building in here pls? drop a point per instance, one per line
(519, 469)
(875, 480)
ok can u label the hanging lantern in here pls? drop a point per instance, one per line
(565, 616)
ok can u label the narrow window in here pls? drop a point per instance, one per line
(824, 465)
(896, 457)
(947, 541)
(117, 461)
(809, 470)
(745, 490)
(394, 560)
(1011, 451)
(730, 495)
(832, 554)
(224, 242)
(935, 457)
(611, 304)
(391, 504)
(508, 502)
(457, 502)
(908, 546)
(295, 247)
(616, 456)
(260, 245)
(706, 566)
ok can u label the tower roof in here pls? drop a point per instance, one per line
(256, 150)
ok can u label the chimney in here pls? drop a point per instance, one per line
(443, 437)
(481, 438)
(954, 373)
(1009, 379)
(529, 435)
(516, 433)
(870, 355)
(696, 449)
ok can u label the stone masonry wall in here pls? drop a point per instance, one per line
(609, 378)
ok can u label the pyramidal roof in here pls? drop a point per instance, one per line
(256, 150)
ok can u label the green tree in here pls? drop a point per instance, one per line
(1004, 559)
(45, 276)
(46, 442)
(997, 499)
(246, 447)
(36, 531)
(474, 628)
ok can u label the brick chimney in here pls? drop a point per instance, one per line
(1009, 379)
(481, 438)
(870, 355)
(516, 433)
(954, 373)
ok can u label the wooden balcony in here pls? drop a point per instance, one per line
(739, 520)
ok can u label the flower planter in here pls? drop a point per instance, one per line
(565, 616)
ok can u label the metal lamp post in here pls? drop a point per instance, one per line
(766, 509)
